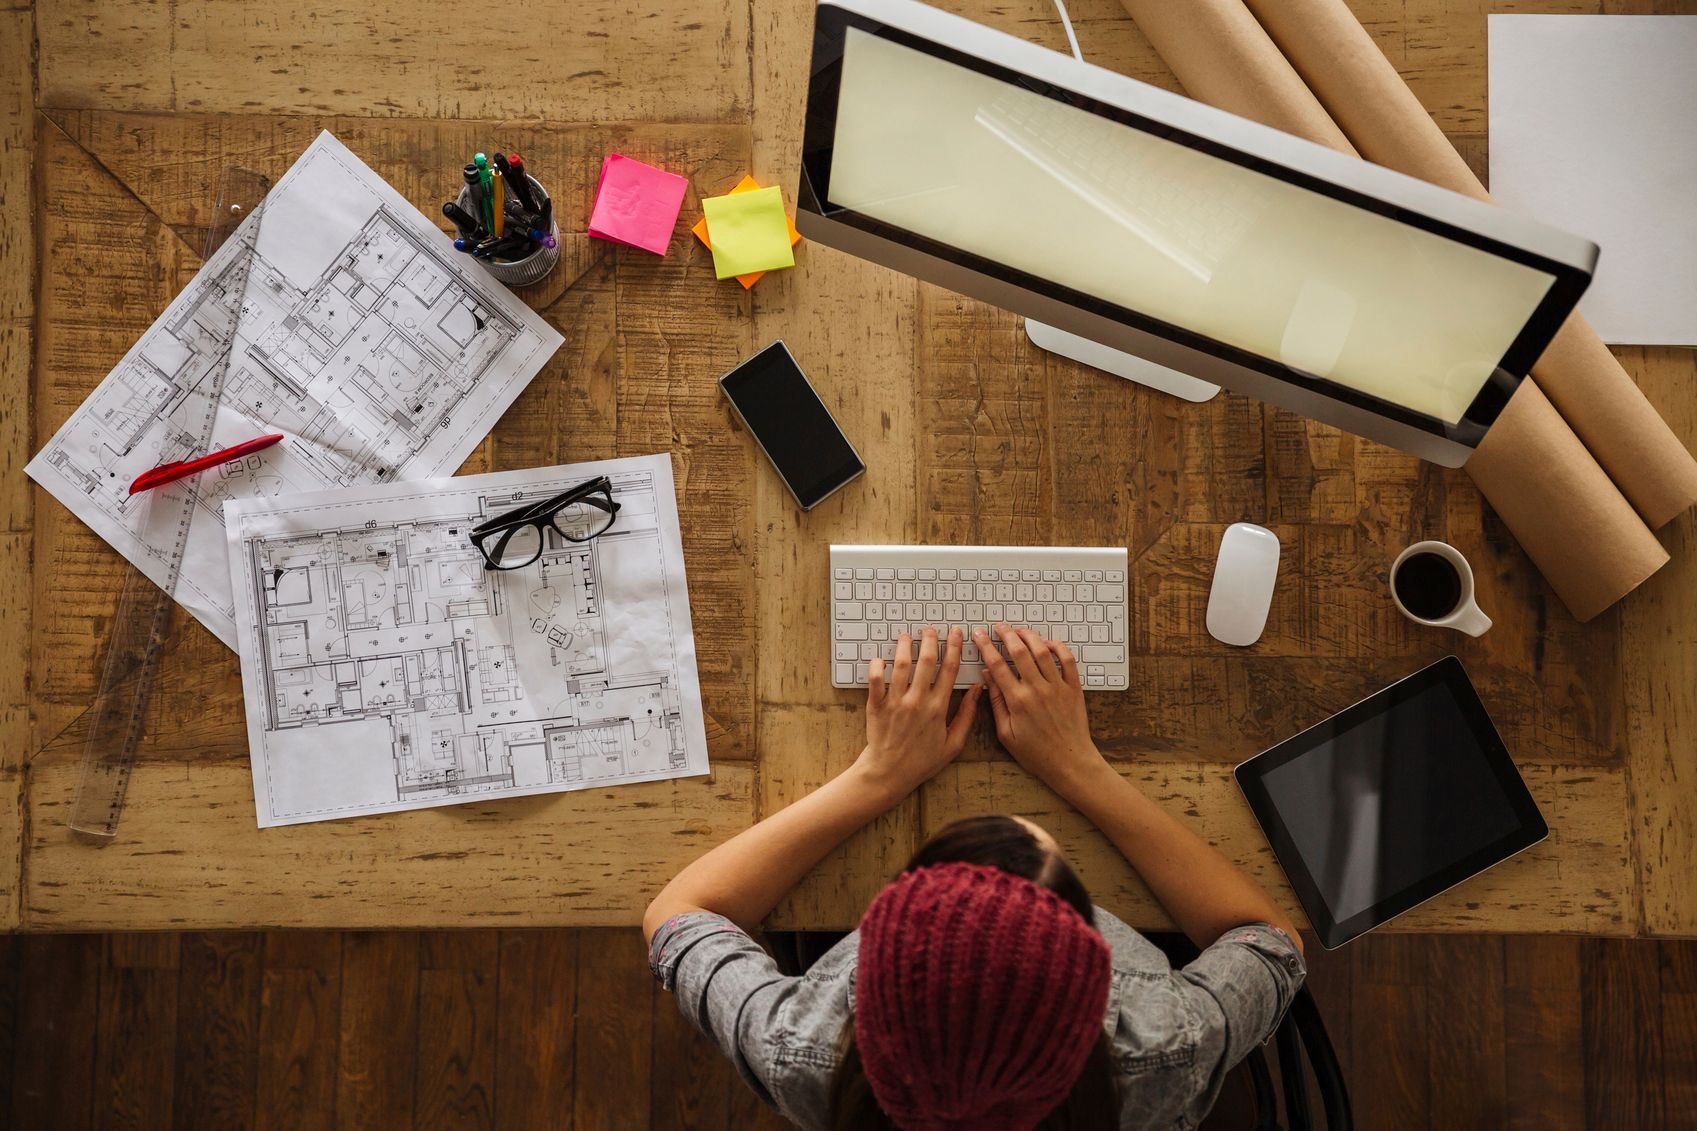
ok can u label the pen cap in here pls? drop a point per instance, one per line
(533, 267)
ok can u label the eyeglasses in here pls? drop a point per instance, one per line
(514, 540)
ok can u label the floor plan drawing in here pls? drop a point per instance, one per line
(386, 668)
(337, 315)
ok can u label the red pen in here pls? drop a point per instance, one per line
(183, 468)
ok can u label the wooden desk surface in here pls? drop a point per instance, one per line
(972, 436)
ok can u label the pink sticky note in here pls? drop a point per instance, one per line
(636, 204)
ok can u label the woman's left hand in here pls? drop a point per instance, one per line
(909, 735)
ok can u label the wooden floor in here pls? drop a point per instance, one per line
(565, 1029)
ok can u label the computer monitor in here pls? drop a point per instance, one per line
(1148, 224)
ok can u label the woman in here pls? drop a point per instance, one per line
(982, 990)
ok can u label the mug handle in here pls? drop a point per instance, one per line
(1472, 621)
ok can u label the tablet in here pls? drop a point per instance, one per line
(1390, 802)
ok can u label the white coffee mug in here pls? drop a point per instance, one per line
(1466, 616)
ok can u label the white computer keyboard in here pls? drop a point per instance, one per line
(1075, 594)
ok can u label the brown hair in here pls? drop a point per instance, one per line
(996, 842)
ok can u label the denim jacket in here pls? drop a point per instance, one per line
(1175, 1033)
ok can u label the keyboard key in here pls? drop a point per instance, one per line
(1095, 681)
(1086, 593)
(1098, 634)
(1064, 593)
(1054, 613)
(974, 614)
(1045, 593)
(1075, 614)
(906, 574)
(855, 630)
(1051, 575)
(1116, 624)
(863, 591)
(1095, 669)
(1072, 575)
(881, 631)
(913, 611)
(848, 651)
(1023, 592)
(850, 610)
(860, 673)
(1004, 592)
(984, 592)
(927, 575)
(944, 590)
(883, 590)
(844, 590)
(892, 610)
(863, 575)
(843, 574)
(1114, 575)
(1013, 614)
(867, 650)
(845, 673)
(1116, 681)
(886, 574)
(1106, 592)
(946, 574)
(1095, 614)
(1029, 575)
(933, 613)
(952, 613)
(992, 614)
(904, 590)
(922, 592)
(969, 575)
(1092, 575)
(1102, 653)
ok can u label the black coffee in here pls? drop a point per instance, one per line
(1428, 586)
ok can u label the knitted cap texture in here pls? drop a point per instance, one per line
(978, 997)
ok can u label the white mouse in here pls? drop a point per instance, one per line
(1244, 574)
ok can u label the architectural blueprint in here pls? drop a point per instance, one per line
(385, 668)
(337, 315)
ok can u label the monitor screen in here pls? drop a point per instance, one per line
(1299, 278)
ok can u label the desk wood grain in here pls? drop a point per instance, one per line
(114, 116)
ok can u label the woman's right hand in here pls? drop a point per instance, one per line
(1037, 698)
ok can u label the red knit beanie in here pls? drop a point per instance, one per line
(978, 997)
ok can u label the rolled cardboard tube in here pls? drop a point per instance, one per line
(1386, 123)
(1568, 515)
(1561, 507)
(1223, 57)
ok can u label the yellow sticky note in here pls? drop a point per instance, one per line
(748, 232)
(747, 184)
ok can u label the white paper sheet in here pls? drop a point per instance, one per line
(378, 350)
(385, 668)
(1593, 128)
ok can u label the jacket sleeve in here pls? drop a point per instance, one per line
(729, 988)
(1241, 986)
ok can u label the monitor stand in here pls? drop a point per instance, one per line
(1129, 366)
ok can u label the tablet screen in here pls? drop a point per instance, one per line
(1400, 796)
(1391, 801)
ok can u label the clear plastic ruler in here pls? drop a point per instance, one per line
(116, 718)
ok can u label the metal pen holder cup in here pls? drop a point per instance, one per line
(533, 267)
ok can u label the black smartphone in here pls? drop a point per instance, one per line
(791, 425)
